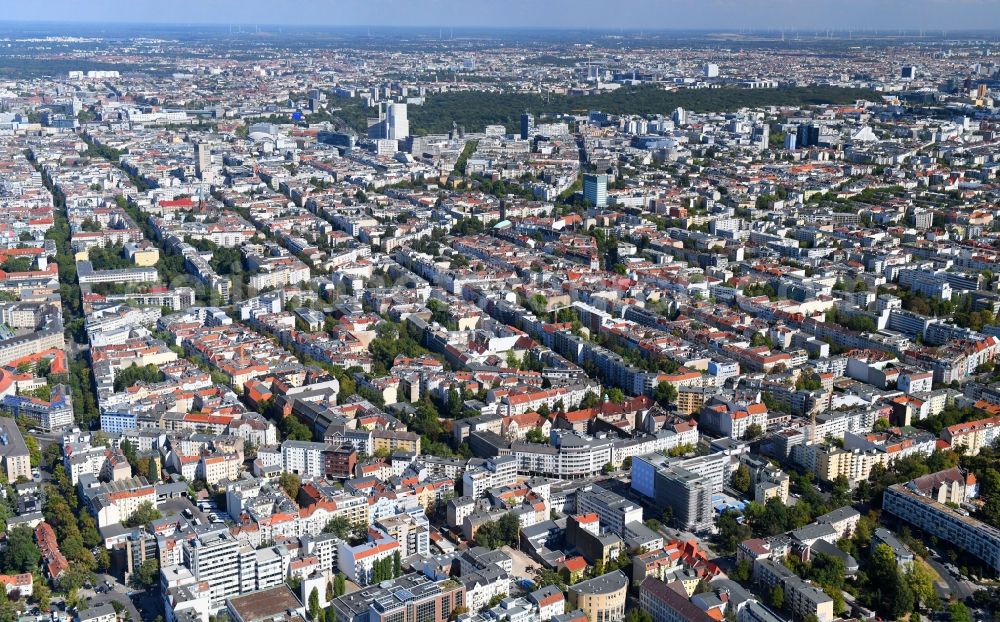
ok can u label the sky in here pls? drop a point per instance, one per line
(592, 14)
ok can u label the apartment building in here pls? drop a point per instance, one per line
(574, 457)
(409, 598)
(411, 530)
(303, 458)
(667, 605)
(14, 455)
(460, 508)
(767, 479)
(89, 276)
(49, 416)
(904, 556)
(215, 468)
(860, 454)
(602, 598)
(613, 510)
(358, 562)
(973, 435)
(115, 502)
(101, 613)
(735, 423)
(218, 559)
(32, 343)
(801, 598)
(549, 600)
(496, 472)
(396, 440)
(686, 486)
(482, 423)
(753, 611)
(275, 274)
(948, 486)
(951, 525)
(688, 494)
(483, 585)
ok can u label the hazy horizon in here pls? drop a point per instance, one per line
(931, 15)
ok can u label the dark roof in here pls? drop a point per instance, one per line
(264, 604)
(838, 515)
(604, 584)
(822, 546)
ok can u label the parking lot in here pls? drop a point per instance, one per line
(211, 513)
(523, 566)
(108, 589)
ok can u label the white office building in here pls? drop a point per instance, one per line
(397, 123)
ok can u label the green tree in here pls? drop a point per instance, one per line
(8, 613)
(129, 376)
(889, 592)
(147, 576)
(754, 431)
(34, 453)
(535, 435)
(41, 593)
(958, 612)
(314, 610)
(17, 264)
(635, 614)
(839, 604)
(667, 515)
(827, 569)
(731, 531)
(346, 530)
(103, 559)
(291, 484)
(549, 577)
(616, 395)
(21, 553)
(920, 579)
(153, 472)
(743, 571)
(590, 400)
(494, 601)
(88, 530)
(143, 515)
(665, 394)
(339, 584)
(774, 518)
(741, 479)
(495, 534)
(129, 451)
(777, 596)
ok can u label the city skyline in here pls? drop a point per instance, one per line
(432, 311)
(887, 15)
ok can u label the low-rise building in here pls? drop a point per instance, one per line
(601, 598)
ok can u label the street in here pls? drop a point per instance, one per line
(119, 593)
(957, 589)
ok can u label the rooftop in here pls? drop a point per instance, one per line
(604, 584)
(269, 604)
